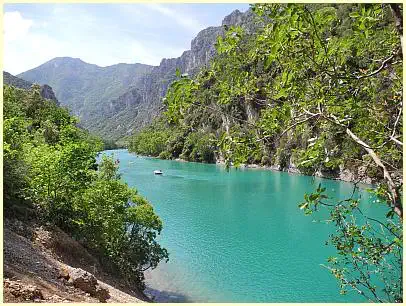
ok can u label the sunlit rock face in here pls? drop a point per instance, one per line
(153, 86)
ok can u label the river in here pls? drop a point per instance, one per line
(238, 235)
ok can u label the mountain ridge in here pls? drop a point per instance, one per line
(153, 86)
(80, 85)
(115, 101)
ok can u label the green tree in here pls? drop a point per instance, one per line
(120, 223)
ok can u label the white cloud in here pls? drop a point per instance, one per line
(15, 26)
(32, 51)
(94, 36)
(183, 20)
(24, 49)
(150, 54)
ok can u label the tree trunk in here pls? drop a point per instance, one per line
(395, 197)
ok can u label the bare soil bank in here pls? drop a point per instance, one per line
(35, 259)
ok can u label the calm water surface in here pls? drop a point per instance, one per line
(237, 236)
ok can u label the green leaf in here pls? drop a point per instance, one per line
(177, 73)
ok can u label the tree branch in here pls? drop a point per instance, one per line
(394, 192)
(397, 14)
(395, 197)
(378, 70)
(297, 123)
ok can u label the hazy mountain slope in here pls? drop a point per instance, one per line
(86, 88)
(152, 87)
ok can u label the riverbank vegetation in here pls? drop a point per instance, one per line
(51, 175)
(169, 142)
(319, 87)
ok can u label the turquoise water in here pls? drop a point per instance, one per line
(237, 236)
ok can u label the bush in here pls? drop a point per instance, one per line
(120, 223)
(165, 155)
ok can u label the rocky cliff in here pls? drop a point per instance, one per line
(152, 87)
(46, 90)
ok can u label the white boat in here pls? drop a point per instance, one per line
(158, 172)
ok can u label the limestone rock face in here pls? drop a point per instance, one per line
(129, 99)
(238, 18)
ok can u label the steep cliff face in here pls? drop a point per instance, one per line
(129, 99)
(153, 86)
(46, 90)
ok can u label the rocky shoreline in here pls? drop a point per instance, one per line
(343, 174)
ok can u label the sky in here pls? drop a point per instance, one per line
(104, 34)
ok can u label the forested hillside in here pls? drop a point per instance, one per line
(12, 80)
(51, 176)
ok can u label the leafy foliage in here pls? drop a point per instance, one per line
(163, 140)
(369, 251)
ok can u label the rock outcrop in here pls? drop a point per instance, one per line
(48, 93)
(87, 282)
(21, 291)
(46, 90)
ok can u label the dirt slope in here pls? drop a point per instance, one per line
(34, 258)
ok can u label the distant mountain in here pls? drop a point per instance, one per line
(85, 88)
(117, 100)
(46, 90)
